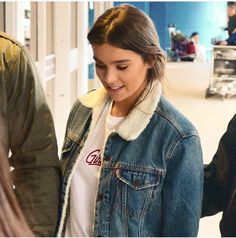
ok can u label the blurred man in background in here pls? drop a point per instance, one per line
(27, 138)
(231, 28)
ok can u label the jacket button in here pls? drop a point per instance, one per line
(116, 172)
(136, 183)
(107, 159)
(100, 197)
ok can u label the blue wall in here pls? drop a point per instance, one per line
(207, 18)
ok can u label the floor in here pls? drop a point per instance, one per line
(185, 88)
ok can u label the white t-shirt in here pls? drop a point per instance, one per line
(85, 178)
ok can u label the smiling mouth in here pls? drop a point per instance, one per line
(114, 89)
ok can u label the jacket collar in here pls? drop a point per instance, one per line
(137, 119)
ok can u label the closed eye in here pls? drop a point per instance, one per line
(122, 67)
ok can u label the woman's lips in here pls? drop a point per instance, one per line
(115, 89)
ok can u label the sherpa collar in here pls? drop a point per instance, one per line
(137, 119)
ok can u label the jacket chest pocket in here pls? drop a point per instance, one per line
(137, 180)
(135, 192)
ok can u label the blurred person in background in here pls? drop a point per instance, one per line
(12, 222)
(220, 182)
(231, 28)
(28, 138)
(200, 51)
(231, 12)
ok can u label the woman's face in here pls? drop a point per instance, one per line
(122, 72)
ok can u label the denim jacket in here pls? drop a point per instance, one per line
(27, 131)
(151, 176)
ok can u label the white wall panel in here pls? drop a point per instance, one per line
(62, 102)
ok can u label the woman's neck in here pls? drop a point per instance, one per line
(121, 109)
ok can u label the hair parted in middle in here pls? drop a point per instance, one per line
(129, 28)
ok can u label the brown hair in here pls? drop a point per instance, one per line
(231, 4)
(129, 28)
(12, 222)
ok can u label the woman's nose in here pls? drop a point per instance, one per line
(109, 76)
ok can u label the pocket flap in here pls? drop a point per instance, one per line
(136, 179)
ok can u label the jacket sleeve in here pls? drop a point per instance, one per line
(182, 189)
(232, 39)
(33, 156)
(219, 175)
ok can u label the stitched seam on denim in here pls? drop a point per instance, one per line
(124, 210)
(177, 143)
(133, 187)
(132, 167)
(67, 148)
(144, 210)
(183, 135)
(98, 184)
(72, 115)
(80, 140)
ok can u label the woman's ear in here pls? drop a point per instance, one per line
(150, 61)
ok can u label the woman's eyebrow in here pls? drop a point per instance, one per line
(96, 59)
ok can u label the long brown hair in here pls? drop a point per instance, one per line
(129, 28)
(12, 222)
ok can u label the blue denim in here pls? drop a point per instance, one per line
(149, 186)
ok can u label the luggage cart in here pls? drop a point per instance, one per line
(223, 72)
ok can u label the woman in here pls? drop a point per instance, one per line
(132, 164)
(12, 222)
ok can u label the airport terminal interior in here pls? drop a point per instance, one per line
(202, 85)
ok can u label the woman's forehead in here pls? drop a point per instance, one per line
(108, 52)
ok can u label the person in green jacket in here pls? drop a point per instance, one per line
(12, 222)
(28, 137)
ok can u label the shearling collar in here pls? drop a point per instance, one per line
(137, 119)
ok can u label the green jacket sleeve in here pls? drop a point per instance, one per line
(32, 142)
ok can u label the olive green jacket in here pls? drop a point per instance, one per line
(27, 137)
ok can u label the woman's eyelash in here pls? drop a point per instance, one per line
(122, 67)
(118, 67)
